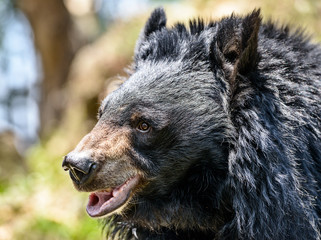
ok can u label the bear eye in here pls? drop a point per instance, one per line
(143, 127)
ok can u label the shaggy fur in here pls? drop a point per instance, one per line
(235, 146)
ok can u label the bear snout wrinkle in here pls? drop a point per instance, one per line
(104, 143)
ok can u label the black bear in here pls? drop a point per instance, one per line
(216, 134)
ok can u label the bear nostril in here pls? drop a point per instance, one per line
(78, 174)
(81, 175)
(80, 169)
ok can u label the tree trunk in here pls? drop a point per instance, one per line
(54, 38)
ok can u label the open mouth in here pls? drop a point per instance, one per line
(107, 201)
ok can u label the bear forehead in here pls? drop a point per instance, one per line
(176, 44)
(161, 82)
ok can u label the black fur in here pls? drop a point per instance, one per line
(235, 146)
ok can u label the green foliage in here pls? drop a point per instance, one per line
(43, 203)
(41, 228)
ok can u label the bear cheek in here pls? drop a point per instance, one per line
(114, 173)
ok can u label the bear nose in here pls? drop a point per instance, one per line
(80, 168)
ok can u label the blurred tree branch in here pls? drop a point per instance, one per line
(56, 40)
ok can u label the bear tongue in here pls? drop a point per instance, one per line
(96, 201)
(102, 203)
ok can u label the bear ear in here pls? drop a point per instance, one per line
(155, 22)
(234, 47)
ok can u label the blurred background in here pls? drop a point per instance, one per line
(58, 60)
